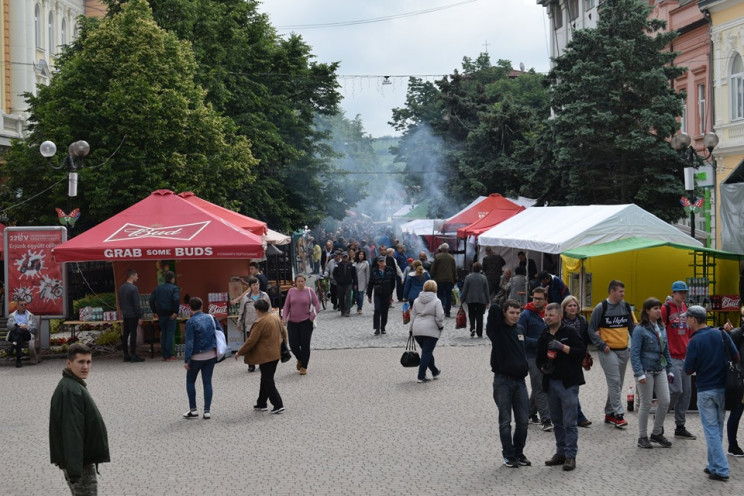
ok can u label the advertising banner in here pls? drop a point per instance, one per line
(31, 274)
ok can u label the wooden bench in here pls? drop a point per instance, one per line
(32, 346)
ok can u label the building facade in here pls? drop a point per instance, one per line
(566, 16)
(33, 33)
(727, 35)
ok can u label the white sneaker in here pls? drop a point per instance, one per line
(190, 415)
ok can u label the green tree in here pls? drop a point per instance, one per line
(614, 110)
(471, 133)
(273, 90)
(127, 87)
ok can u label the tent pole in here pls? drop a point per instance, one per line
(581, 286)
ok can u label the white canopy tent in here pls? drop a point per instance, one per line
(557, 229)
(422, 227)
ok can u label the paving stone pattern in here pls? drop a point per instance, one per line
(357, 424)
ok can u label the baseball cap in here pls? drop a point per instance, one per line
(696, 311)
(344, 254)
(381, 258)
(410, 260)
(679, 286)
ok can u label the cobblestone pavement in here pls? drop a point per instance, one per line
(358, 423)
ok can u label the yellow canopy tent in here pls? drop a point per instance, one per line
(647, 267)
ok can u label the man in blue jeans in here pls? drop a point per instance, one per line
(444, 272)
(509, 366)
(706, 357)
(164, 302)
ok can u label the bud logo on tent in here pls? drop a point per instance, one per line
(183, 232)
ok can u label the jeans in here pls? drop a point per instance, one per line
(344, 298)
(300, 334)
(206, 367)
(563, 403)
(267, 390)
(680, 401)
(334, 295)
(359, 295)
(733, 424)
(380, 317)
(614, 364)
(475, 313)
(511, 395)
(427, 344)
(129, 336)
(444, 293)
(711, 406)
(655, 384)
(538, 398)
(580, 417)
(87, 485)
(167, 331)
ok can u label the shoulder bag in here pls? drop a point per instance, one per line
(410, 357)
(221, 342)
(734, 382)
(285, 354)
(312, 309)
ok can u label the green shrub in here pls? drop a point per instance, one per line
(109, 337)
(105, 300)
(54, 325)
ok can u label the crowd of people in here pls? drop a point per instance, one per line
(536, 331)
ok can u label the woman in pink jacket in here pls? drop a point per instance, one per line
(300, 308)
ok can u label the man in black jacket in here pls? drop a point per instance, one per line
(78, 440)
(560, 351)
(346, 280)
(382, 284)
(509, 366)
(164, 302)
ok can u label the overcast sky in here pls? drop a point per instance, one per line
(413, 43)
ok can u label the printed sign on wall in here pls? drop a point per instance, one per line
(31, 274)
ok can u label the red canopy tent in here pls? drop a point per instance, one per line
(476, 212)
(491, 219)
(162, 226)
(257, 227)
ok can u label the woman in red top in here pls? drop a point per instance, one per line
(300, 309)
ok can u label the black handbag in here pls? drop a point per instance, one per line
(734, 380)
(410, 357)
(286, 355)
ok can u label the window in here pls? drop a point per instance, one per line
(701, 108)
(737, 88)
(573, 9)
(64, 32)
(557, 15)
(588, 4)
(51, 34)
(37, 25)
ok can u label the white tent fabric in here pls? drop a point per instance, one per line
(276, 238)
(422, 227)
(557, 229)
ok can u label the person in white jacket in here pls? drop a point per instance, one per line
(427, 322)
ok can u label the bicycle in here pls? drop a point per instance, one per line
(321, 289)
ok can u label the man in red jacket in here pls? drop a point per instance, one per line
(678, 336)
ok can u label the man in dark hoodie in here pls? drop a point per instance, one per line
(533, 324)
(509, 366)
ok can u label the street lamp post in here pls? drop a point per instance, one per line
(76, 153)
(681, 143)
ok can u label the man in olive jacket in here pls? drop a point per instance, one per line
(78, 440)
(444, 272)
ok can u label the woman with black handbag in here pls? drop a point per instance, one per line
(427, 321)
(732, 424)
(573, 319)
(263, 347)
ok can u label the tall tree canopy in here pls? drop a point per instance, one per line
(471, 133)
(127, 87)
(614, 111)
(272, 89)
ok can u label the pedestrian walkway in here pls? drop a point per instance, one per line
(358, 423)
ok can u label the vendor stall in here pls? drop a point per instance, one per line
(166, 232)
(648, 268)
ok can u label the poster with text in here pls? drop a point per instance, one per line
(31, 274)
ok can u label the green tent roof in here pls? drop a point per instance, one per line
(421, 211)
(631, 244)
